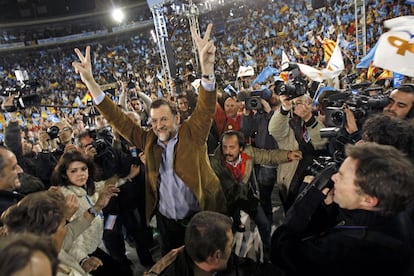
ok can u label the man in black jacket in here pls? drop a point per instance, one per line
(374, 183)
(9, 179)
(208, 251)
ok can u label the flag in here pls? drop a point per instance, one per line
(283, 9)
(386, 74)
(51, 110)
(333, 69)
(395, 50)
(80, 85)
(310, 72)
(336, 63)
(266, 73)
(328, 46)
(370, 71)
(285, 58)
(366, 61)
(87, 98)
(245, 71)
(397, 80)
(230, 90)
(284, 76)
(2, 119)
(78, 102)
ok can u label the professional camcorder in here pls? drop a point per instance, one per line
(21, 96)
(360, 104)
(296, 86)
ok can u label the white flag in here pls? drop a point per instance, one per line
(335, 65)
(245, 71)
(284, 57)
(310, 72)
(395, 51)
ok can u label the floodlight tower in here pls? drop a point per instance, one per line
(192, 12)
(156, 7)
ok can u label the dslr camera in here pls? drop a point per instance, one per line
(296, 86)
(100, 145)
(253, 100)
(53, 132)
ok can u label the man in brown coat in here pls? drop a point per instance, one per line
(179, 178)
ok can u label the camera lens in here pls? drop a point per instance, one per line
(254, 103)
(338, 117)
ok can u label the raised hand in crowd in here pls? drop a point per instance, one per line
(206, 50)
(105, 195)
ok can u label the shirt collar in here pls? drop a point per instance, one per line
(237, 162)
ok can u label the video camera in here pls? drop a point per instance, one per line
(360, 104)
(296, 86)
(22, 97)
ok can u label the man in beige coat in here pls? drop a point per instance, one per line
(179, 178)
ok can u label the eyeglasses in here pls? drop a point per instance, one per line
(66, 129)
(297, 103)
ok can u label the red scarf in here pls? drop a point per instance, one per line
(238, 169)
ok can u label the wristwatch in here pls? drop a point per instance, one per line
(93, 212)
(209, 77)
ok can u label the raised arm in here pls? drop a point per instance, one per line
(206, 50)
(83, 67)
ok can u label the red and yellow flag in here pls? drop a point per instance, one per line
(87, 98)
(386, 74)
(328, 48)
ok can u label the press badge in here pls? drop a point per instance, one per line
(110, 222)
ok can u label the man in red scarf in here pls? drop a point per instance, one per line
(233, 162)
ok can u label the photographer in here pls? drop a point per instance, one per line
(54, 141)
(294, 126)
(399, 104)
(111, 164)
(254, 124)
(339, 133)
(135, 100)
(374, 184)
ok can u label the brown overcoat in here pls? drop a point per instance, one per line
(191, 162)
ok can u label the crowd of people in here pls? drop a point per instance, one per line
(90, 176)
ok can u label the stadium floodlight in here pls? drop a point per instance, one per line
(118, 15)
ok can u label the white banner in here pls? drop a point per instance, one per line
(395, 50)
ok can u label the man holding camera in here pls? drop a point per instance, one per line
(254, 124)
(294, 126)
(361, 237)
